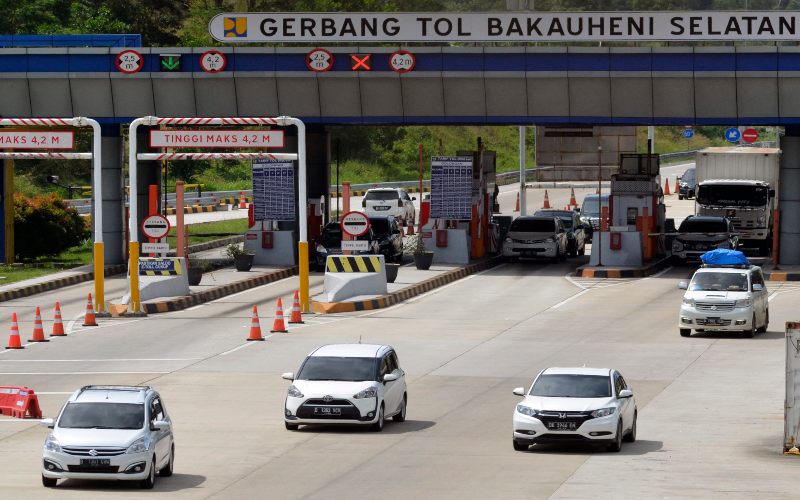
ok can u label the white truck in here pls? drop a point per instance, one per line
(740, 183)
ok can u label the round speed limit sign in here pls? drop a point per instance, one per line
(402, 61)
(213, 61)
(319, 60)
(129, 62)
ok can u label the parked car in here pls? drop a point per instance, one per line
(592, 405)
(109, 432)
(536, 236)
(347, 384)
(686, 184)
(330, 243)
(389, 201)
(577, 232)
(725, 298)
(698, 234)
(591, 211)
(389, 236)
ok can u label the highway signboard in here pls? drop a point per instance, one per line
(750, 135)
(216, 138)
(354, 223)
(155, 226)
(732, 134)
(39, 139)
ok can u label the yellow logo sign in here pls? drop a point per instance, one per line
(235, 27)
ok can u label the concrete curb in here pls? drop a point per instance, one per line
(781, 276)
(605, 272)
(406, 293)
(194, 209)
(215, 293)
(46, 286)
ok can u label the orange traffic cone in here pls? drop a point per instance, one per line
(677, 187)
(546, 200)
(296, 318)
(88, 318)
(242, 203)
(58, 325)
(572, 201)
(255, 327)
(38, 329)
(13, 339)
(666, 188)
(278, 325)
(516, 209)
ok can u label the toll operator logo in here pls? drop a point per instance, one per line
(235, 27)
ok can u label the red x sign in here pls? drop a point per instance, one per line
(361, 62)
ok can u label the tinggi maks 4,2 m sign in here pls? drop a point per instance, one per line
(319, 27)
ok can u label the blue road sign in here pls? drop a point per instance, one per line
(688, 133)
(732, 135)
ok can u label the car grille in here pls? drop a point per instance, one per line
(713, 322)
(113, 469)
(348, 411)
(84, 451)
(714, 306)
(579, 417)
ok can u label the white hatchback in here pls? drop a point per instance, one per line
(347, 384)
(381, 202)
(592, 405)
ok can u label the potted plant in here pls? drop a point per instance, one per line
(391, 271)
(423, 258)
(242, 258)
(196, 268)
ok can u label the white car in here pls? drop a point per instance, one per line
(593, 405)
(109, 432)
(536, 236)
(347, 384)
(380, 202)
(725, 298)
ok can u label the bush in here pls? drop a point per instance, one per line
(45, 225)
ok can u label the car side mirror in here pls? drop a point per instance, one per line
(625, 393)
(519, 391)
(159, 425)
(389, 377)
(757, 287)
(413, 198)
(47, 422)
(682, 285)
(288, 376)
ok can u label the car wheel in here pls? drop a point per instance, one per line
(616, 445)
(520, 446)
(563, 256)
(290, 427)
(764, 327)
(686, 332)
(378, 425)
(166, 471)
(582, 251)
(630, 437)
(401, 415)
(150, 481)
(49, 482)
(680, 197)
(752, 331)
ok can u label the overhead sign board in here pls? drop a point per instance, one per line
(170, 63)
(355, 245)
(355, 223)
(523, 27)
(29, 139)
(216, 138)
(155, 226)
(155, 247)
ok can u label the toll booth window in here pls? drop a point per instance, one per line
(633, 212)
(533, 225)
(591, 205)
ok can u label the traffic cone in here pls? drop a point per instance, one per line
(255, 327)
(677, 187)
(38, 329)
(517, 207)
(296, 317)
(572, 201)
(666, 187)
(242, 203)
(88, 318)
(278, 326)
(58, 326)
(546, 200)
(13, 339)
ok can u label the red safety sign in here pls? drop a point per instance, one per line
(354, 223)
(319, 60)
(155, 226)
(129, 62)
(361, 62)
(213, 61)
(750, 135)
(402, 61)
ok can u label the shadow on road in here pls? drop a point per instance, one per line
(738, 335)
(178, 482)
(640, 447)
(390, 427)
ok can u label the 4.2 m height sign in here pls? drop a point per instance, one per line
(216, 138)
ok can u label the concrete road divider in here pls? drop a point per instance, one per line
(19, 402)
(349, 276)
(161, 277)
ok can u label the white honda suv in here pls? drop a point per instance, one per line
(109, 432)
(347, 384)
(593, 405)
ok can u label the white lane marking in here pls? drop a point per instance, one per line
(105, 325)
(772, 296)
(658, 274)
(83, 373)
(244, 345)
(93, 360)
(250, 290)
(193, 308)
(568, 277)
(556, 306)
(71, 323)
(53, 393)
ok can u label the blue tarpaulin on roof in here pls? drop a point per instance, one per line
(724, 257)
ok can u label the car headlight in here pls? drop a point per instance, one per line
(677, 246)
(603, 412)
(293, 392)
(688, 301)
(52, 444)
(139, 446)
(527, 410)
(762, 219)
(369, 392)
(744, 303)
(321, 249)
(508, 240)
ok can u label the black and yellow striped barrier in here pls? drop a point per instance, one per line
(353, 264)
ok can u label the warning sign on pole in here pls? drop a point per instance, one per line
(355, 223)
(155, 226)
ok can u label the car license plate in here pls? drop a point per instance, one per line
(95, 462)
(529, 253)
(327, 410)
(381, 207)
(562, 426)
(713, 321)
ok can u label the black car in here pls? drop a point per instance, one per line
(686, 184)
(330, 243)
(699, 234)
(389, 236)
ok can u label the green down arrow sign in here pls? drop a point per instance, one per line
(170, 62)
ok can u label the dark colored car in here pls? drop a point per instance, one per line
(330, 243)
(591, 211)
(686, 184)
(699, 234)
(577, 232)
(389, 236)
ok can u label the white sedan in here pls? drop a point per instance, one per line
(593, 405)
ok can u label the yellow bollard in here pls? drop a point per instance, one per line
(99, 278)
(133, 272)
(302, 252)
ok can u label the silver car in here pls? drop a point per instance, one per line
(109, 432)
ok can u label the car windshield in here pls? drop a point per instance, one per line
(102, 416)
(337, 368)
(533, 225)
(566, 218)
(732, 282)
(703, 226)
(331, 236)
(572, 386)
(381, 195)
(379, 226)
(591, 206)
(732, 195)
(688, 177)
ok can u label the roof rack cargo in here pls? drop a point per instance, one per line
(728, 266)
